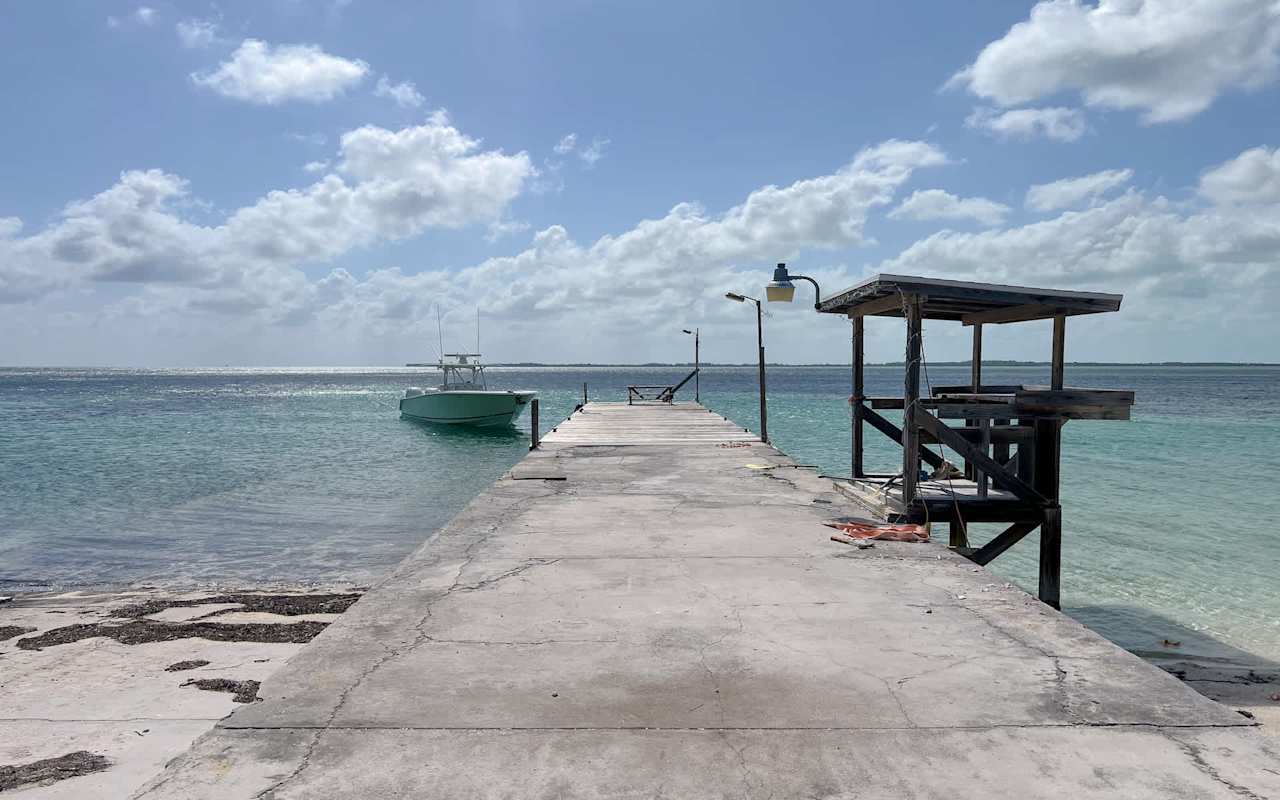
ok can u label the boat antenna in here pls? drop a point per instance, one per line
(477, 330)
(440, 332)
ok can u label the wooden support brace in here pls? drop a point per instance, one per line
(895, 433)
(998, 474)
(1008, 538)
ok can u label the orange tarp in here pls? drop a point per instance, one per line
(885, 532)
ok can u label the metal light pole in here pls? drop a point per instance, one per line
(696, 333)
(764, 409)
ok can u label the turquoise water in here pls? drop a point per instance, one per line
(293, 476)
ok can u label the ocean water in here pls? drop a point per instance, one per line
(261, 476)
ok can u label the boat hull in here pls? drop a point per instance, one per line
(478, 409)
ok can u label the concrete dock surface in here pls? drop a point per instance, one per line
(650, 606)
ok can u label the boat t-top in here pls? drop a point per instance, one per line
(463, 398)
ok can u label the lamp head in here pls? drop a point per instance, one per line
(686, 330)
(780, 289)
(735, 296)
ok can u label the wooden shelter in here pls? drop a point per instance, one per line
(1011, 436)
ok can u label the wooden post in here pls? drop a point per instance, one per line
(977, 358)
(1059, 352)
(1048, 450)
(959, 536)
(764, 405)
(1051, 557)
(1048, 459)
(859, 391)
(533, 424)
(975, 386)
(910, 401)
(584, 393)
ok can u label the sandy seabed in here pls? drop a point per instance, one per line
(99, 690)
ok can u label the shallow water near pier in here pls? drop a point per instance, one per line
(295, 476)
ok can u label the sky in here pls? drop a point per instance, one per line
(288, 183)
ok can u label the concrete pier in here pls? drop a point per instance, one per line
(650, 606)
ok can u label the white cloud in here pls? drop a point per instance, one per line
(1060, 124)
(1070, 192)
(499, 229)
(258, 72)
(1203, 265)
(1169, 59)
(388, 185)
(1251, 177)
(934, 204)
(197, 33)
(315, 166)
(566, 144)
(145, 15)
(405, 94)
(314, 139)
(594, 151)
(246, 273)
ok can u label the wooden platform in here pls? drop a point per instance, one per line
(936, 501)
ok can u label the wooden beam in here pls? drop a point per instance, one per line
(1011, 536)
(999, 475)
(997, 316)
(880, 305)
(895, 433)
(958, 533)
(1059, 351)
(911, 404)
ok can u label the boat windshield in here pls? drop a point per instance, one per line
(462, 373)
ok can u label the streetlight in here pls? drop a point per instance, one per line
(697, 389)
(764, 411)
(782, 290)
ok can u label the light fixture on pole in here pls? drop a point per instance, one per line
(696, 333)
(782, 290)
(764, 410)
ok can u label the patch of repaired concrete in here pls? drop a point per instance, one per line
(182, 666)
(286, 605)
(143, 631)
(243, 691)
(10, 631)
(51, 770)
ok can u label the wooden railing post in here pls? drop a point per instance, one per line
(533, 424)
(859, 392)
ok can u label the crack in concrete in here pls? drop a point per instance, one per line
(390, 653)
(1196, 755)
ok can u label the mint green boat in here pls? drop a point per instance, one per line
(463, 398)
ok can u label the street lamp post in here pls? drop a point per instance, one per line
(764, 410)
(696, 333)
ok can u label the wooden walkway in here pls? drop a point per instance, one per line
(650, 606)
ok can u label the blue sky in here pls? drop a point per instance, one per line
(303, 183)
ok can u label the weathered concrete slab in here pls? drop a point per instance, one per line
(672, 620)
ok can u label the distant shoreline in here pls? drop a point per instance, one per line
(673, 364)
